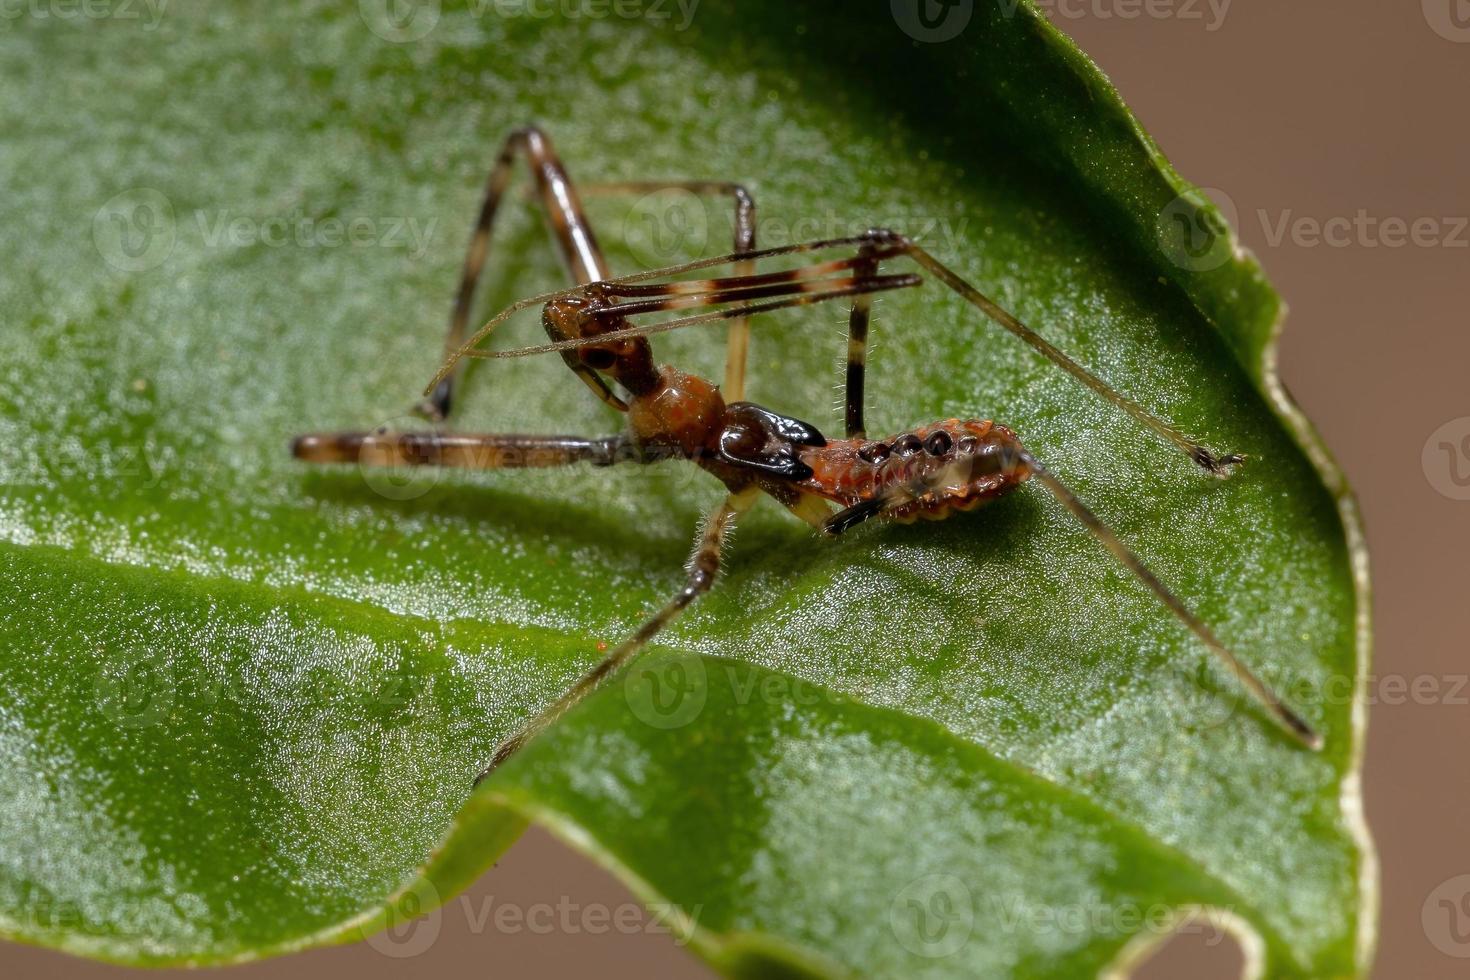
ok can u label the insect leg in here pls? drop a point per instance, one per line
(885, 244)
(958, 473)
(644, 284)
(464, 450)
(802, 293)
(857, 348)
(1284, 715)
(703, 567)
(865, 266)
(1219, 465)
(961, 471)
(579, 249)
(744, 200)
(738, 339)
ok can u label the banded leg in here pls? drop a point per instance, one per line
(703, 567)
(883, 245)
(737, 345)
(641, 285)
(1219, 465)
(579, 250)
(465, 450)
(857, 349)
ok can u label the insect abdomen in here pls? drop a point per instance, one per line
(974, 460)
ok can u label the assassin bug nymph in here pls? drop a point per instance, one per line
(928, 472)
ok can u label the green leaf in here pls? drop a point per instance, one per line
(242, 701)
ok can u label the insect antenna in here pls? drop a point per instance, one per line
(629, 285)
(840, 288)
(489, 327)
(1284, 715)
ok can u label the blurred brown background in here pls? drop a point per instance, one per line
(1339, 135)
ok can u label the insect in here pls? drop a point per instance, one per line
(928, 472)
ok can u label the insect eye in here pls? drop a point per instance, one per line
(598, 358)
(873, 452)
(938, 443)
(907, 445)
(968, 445)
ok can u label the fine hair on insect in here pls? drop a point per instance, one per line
(600, 329)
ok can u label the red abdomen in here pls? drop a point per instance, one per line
(968, 461)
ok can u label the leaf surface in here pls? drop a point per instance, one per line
(242, 701)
